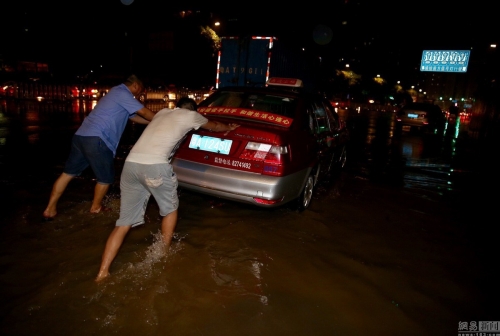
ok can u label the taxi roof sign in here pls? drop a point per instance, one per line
(290, 82)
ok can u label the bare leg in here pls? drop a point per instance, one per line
(113, 244)
(99, 193)
(168, 224)
(57, 190)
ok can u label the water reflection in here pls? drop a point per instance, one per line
(35, 139)
(414, 160)
(366, 259)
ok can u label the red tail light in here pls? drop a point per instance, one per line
(265, 201)
(271, 156)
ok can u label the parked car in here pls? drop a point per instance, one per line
(90, 92)
(422, 117)
(150, 94)
(288, 141)
(164, 93)
(8, 89)
(86, 92)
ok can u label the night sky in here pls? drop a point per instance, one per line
(76, 36)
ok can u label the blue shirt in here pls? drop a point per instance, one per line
(109, 117)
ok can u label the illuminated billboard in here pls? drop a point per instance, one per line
(445, 60)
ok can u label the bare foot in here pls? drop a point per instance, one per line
(95, 210)
(100, 209)
(101, 276)
(49, 213)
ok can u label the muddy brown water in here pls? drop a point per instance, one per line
(388, 247)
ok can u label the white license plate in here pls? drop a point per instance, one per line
(210, 144)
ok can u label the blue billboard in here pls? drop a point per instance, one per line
(445, 60)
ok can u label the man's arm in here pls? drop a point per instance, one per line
(143, 116)
(146, 113)
(216, 126)
(138, 119)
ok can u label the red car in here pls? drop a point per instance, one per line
(288, 141)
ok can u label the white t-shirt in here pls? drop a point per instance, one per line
(162, 134)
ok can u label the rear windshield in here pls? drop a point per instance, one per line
(284, 106)
(422, 107)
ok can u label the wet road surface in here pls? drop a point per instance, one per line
(399, 243)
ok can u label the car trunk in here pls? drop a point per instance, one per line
(253, 147)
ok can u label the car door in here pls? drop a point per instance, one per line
(322, 120)
(339, 136)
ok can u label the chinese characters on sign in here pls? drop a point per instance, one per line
(481, 328)
(264, 116)
(445, 60)
(286, 81)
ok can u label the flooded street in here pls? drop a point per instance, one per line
(396, 244)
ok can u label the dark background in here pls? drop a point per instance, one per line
(152, 37)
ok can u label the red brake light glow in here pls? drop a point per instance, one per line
(266, 201)
(270, 155)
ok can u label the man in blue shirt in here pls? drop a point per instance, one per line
(95, 142)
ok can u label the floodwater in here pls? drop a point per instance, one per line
(390, 246)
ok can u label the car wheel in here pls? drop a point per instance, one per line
(305, 197)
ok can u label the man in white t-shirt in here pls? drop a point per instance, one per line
(147, 171)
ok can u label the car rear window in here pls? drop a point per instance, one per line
(280, 105)
(422, 107)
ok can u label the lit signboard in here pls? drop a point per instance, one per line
(445, 60)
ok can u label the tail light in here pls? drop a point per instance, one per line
(268, 202)
(271, 156)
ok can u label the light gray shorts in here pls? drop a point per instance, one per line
(138, 182)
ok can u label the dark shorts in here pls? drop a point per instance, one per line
(91, 151)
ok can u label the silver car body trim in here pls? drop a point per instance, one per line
(238, 185)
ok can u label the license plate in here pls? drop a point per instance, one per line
(210, 144)
(406, 128)
(412, 115)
